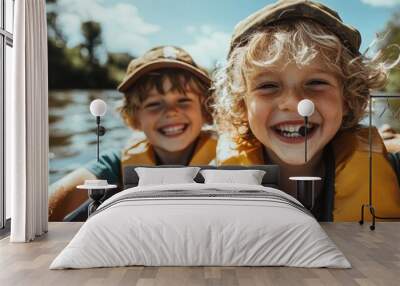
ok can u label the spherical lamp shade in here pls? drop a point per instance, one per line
(98, 107)
(305, 108)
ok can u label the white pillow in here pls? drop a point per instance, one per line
(163, 176)
(249, 177)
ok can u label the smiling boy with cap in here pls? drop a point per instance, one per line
(166, 95)
(283, 53)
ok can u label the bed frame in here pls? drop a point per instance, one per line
(270, 179)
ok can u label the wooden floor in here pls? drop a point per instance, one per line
(374, 255)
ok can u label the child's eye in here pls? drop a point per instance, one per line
(268, 86)
(152, 105)
(317, 82)
(317, 85)
(184, 101)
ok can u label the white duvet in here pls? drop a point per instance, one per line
(183, 231)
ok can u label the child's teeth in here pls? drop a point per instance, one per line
(292, 130)
(173, 130)
(289, 128)
(294, 134)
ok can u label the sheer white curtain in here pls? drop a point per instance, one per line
(27, 123)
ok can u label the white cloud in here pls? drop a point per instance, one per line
(209, 45)
(190, 29)
(123, 29)
(384, 3)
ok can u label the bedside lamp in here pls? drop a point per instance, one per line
(305, 108)
(305, 184)
(97, 189)
(98, 108)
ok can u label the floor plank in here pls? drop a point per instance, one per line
(374, 255)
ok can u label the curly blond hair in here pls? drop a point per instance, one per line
(181, 80)
(301, 41)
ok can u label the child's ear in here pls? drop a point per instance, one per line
(204, 119)
(346, 108)
(206, 111)
(245, 114)
(136, 123)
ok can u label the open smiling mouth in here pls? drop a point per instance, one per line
(294, 133)
(173, 130)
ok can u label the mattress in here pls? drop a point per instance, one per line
(201, 225)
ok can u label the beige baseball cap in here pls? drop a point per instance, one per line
(284, 10)
(159, 58)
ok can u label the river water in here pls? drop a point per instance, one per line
(72, 136)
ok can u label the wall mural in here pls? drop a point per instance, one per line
(193, 90)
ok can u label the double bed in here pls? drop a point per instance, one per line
(201, 222)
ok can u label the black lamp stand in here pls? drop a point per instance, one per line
(303, 132)
(370, 205)
(305, 137)
(100, 131)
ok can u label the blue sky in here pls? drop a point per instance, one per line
(201, 27)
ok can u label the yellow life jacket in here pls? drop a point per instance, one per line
(351, 174)
(142, 152)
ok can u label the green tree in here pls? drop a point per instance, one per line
(91, 32)
(79, 67)
(59, 65)
(117, 64)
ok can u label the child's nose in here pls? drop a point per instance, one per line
(171, 109)
(289, 100)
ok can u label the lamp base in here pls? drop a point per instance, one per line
(372, 211)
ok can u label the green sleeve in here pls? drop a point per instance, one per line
(108, 167)
(394, 159)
